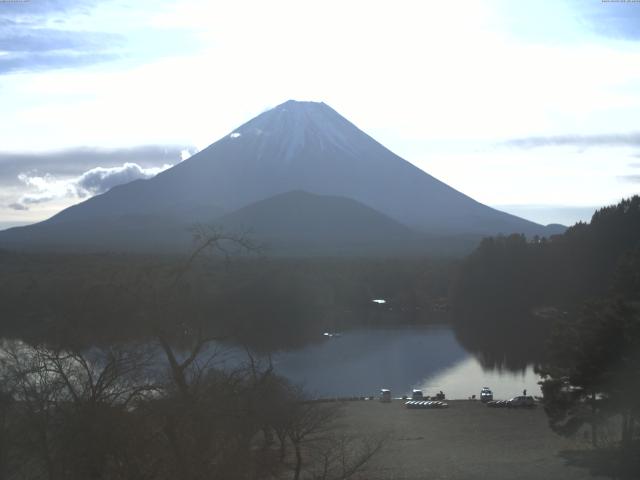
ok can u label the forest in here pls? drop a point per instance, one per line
(251, 299)
(511, 290)
(571, 305)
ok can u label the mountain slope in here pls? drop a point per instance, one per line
(141, 233)
(298, 222)
(292, 223)
(295, 146)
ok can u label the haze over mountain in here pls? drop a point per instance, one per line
(295, 147)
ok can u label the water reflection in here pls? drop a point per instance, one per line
(467, 377)
(363, 361)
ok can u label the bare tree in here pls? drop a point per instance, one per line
(70, 405)
(341, 456)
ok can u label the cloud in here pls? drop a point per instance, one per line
(46, 61)
(18, 206)
(26, 45)
(76, 161)
(16, 38)
(98, 180)
(602, 140)
(45, 7)
(45, 188)
(28, 42)
(630, 178)
(185, 153)
(613, 18)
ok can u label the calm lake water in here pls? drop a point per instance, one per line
(361, 362)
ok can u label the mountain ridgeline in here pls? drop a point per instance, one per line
(300, 178)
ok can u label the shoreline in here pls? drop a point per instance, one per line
(466, 440)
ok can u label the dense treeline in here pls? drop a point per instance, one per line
(510, 290)
(591, 375)
(591, 383)
(263, 302)
(572, 305)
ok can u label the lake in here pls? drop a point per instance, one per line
(361, 362)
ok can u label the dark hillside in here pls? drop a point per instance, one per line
(510, 290)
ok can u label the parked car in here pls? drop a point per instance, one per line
(497, 403)
(486, 395)
(385, 395)
(522, 401)
(417, 395)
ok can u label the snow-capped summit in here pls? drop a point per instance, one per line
(295, 124)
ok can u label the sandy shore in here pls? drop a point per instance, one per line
(466, 441)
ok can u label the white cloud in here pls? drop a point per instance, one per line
(45, 188)
(184, 154)
(100, 179)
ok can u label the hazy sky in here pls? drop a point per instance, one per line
(532, 106)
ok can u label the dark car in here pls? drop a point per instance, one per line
(522, 401)
(486, 395)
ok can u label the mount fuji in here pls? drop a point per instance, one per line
(299, 174)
